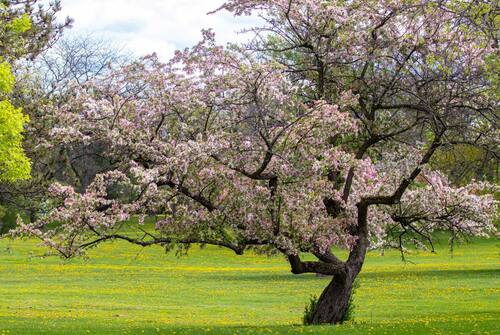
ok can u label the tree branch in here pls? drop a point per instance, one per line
(299, 267)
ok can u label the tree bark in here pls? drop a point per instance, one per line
(332, 305)
(333, 302)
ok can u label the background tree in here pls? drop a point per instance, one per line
(318, 134)
(50, 80)
(468, 161)
(13, 163)
(25, 30)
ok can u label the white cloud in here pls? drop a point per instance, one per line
(146, 26)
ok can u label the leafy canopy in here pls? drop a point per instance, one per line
(13, 162)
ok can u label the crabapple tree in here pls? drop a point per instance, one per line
(316, 134)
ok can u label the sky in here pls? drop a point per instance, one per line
(146, 26)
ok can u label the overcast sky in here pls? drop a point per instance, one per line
(146, 26)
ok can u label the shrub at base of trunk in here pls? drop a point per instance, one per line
(313, 302)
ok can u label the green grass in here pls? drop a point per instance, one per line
(123, 289)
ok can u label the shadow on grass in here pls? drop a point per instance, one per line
(389, 328)
(285, 277)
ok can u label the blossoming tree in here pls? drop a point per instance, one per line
(315, 135)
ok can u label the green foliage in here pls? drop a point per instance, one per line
(27, 27)
(309, 310)
(462, 163)
(6, 78)
(493, 65)
(14, 164)
(13, 26)
(20, 24)
(8, 219)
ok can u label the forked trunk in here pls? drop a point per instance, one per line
(332, 305)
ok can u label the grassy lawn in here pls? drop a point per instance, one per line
(123, 289)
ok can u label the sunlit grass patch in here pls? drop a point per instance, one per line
(122, 289)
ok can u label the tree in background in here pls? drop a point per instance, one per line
(75, 60)
(317, 134)
(48, 81)
(25, 30)
(14, 164)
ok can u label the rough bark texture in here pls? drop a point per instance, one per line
(332, 304)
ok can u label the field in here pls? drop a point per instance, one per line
(123, 289)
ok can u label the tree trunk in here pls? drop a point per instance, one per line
(333, 302)
(332, 305)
